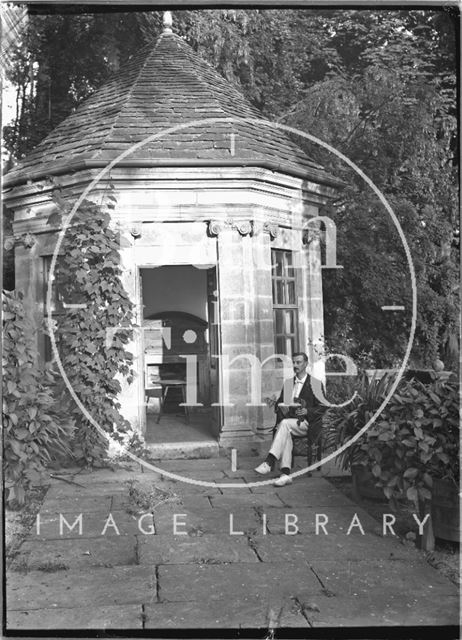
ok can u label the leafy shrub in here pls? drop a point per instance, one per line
(343, 423)
(416, 440)
(92, 339)
(34, 432)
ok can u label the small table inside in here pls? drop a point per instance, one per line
(166, 385)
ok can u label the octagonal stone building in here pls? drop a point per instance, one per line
(215, 201)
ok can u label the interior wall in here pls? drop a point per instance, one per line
(174, 288)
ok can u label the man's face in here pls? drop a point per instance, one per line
(300, 365)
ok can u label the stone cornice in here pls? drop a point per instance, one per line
(175, 178)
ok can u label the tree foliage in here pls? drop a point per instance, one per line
(378, 85)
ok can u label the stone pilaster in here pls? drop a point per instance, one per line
(246, 330)
(313, 297)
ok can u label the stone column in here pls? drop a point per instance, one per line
(29, 280)
(246, 323)
(132, 397)
(314, 297)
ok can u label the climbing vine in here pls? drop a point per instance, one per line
(35, 431)
(95, 323)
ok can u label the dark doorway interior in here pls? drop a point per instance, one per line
(176, 324)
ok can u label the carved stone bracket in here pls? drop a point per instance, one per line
(136, 230)
(214, 228)
(28, 240)
(244, 227)
(272, 229)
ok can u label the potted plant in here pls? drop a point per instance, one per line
(413, 452)
(343, 423)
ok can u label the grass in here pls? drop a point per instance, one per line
(144, 498)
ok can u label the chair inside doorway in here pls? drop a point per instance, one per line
(167, 337)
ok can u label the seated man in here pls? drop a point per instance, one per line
(305, 408)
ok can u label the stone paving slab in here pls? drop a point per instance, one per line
(78, 504)
(382, 578)
(300, 487)
(80, 588)
(246, 499)
(200, 521)
(88, 476)
(250, 612)
(183, 549)
(312, 547)
(123, 503)
(338, 520)
(193, 466)
(310, 580)
(181, 488)
(102, 489)
(391, 610)
(214, 475)
(178, 583)
(76, 553)
(105, 617)
(93, 525)
(305, 493)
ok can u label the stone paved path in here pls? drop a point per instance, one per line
(272, 570)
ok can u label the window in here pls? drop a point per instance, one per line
(285, 310)
(56, 304)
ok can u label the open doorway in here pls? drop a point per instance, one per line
(176, 331)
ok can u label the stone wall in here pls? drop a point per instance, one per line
(224, 218)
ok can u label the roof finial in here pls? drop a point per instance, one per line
(167, 20)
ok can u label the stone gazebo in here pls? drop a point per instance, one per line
(215, 213)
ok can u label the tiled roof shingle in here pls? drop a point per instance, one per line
(160, 87)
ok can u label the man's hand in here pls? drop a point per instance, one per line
(301, 413)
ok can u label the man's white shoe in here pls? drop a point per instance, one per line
(263, 468)
(282, 481)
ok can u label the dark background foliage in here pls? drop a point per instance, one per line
(379, 85)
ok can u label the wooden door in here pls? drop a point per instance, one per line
(213, 313)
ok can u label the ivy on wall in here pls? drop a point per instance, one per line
(35, 431)
(92, 336)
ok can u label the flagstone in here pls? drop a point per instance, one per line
(388, 610)
(246, 499)
(210, 578)
(78, 504)
(104, 551)
(183, 549)
(178, 583)
(336, 519)
(314, 498)
(99, 586)
(312, 547)
(114, 523)
(193, 500)
(248, 612)
(201, 521)
(71, 619)
(188, 465)
(375, 577)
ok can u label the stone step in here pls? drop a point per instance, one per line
(182, 450)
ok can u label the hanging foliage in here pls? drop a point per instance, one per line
(95, 326)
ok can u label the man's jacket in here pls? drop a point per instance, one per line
(314, 407)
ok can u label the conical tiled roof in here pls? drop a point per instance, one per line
(160, 87)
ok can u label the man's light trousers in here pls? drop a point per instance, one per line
(282, 445)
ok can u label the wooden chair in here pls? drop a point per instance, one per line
(313, 439)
